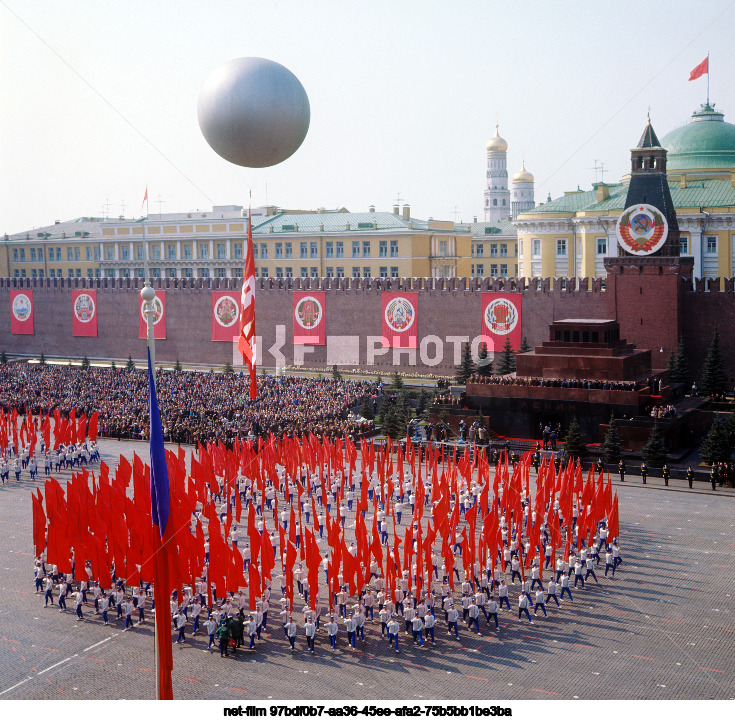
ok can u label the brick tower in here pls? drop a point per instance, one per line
(645, 280)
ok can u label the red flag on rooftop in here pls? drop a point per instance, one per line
(701, 69)
(246, 344)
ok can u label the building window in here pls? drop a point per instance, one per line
(289, 272)
(263, 251)
(288, 247)
(340, 272)
(170, 272)
(493, 250)
(279, 251)
(602, 246)
(52, 273)
(478, 250)
(76, 253)
(155, 272)
(139, 252)
(503, 250)
(383, 248)
(479, 270)
(237, 273)
(220, 272)
(69, 254)
(220, 251)
(365, 271)
(394, 249)
(494, 270)
(495, 201)
(155, 252)
(340, 249)
(139, 273)
(40, 272)
(303, 251)
(313, 251)
(711, 244)
(40, 255)
(443, 248)
(355, 271)
(355, 248)
(125, 253)
(383, 271)
(330, 272)
(109, 273)
(365, 248)
(187, 252)
(34, 273)
(110, 253)
(279, 272)
(683, 245)
(536, 247)
(33, 255)
(125, 273)
(15, 255)
(171, 249)
(203, 254)
(504, 270)
(329, 246)
(95, 253)
(394, 271)
(204, 272)
(58, 254)
(188, 272)
(304, 271)
(314, 272)
(237, 250)
(561, 246)
(88, 253)
(78, 273)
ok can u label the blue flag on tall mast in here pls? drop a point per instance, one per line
(160, 491)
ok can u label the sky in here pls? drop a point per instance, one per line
(99, 98)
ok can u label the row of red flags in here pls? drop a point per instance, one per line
(24, 430)
(106, 524)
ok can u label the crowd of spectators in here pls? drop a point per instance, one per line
(663, 411)
(589, 384)
(194, 406)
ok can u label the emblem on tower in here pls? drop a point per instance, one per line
(501, 316)
(84, 308)
(642, 229)
(22, 307)
(400, 314)
(308, 312)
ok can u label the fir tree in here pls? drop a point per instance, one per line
(336, 375)
(113, 367)
(130, 365)
(654, 452)
(524, 345)
(392, 426)
(42, 360)
(484, 362)
(366, 408)
(403, 407)
(397, 381)
(574, 443)
(228, 369)
(713, 381)
(467, 367)
(3, 358)
(716, 446)
(423, 401)
(177, 365)
(671, 366)
(612, 445)
(378, 379)
(507, 360)
(730, 427)
(85, 363)
(681, 367)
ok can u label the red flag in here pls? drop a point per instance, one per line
(701, 69)
(246, 344)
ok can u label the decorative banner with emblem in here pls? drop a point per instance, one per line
(501, 319)
(308, 318)
(225, 316)
(642, 229)
(21, 312)
(159, 317)
(400, 320)
(84, 313)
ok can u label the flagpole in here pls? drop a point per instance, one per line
(708, 79)
(148, 295)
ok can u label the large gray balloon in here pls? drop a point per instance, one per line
(253, 112)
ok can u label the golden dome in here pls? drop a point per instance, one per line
(523, 176)
(496, 143)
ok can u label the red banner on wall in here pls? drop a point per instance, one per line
(21, 312)
(400, 320)
(84, 313)
(225, 315)
(308, 318)
(159, 317)
(501, 319)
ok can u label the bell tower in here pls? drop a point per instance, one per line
(645, 280)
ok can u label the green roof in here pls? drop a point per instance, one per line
(708, 193)
(335, 222)
(706, 142)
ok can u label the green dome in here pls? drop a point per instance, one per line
(707, 142)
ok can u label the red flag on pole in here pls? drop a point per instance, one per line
(246, 344)
(701, 69)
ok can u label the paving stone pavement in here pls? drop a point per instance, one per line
(664, 628)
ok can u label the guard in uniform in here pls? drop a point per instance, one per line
(690, 476)
(666, 473)
(644, 472)
(621, 469)
(713, 477)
